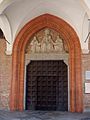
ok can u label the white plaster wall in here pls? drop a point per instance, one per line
(5, 3)
(22, 11)
(88, 3)
(85, 6)
(85, 31)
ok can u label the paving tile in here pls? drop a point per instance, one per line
(43, 115)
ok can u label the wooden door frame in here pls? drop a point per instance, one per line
(18, 59)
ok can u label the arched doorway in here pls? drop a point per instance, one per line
(46, 71)
(72, 40)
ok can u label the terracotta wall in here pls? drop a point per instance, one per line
(86, 67)
(5, 76)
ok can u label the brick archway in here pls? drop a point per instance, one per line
(72, 40)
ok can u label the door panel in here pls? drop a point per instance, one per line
(47, 85)
(46, 93)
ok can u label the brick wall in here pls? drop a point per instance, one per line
(5, 76)
(6, 73)
(85, 67)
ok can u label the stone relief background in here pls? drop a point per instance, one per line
(46, 41)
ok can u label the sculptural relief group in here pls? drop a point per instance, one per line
(47, 44)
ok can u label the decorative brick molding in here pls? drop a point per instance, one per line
(69, 35)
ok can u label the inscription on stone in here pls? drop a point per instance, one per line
(87, 87)
(87, 75)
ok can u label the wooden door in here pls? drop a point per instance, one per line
(47, 85)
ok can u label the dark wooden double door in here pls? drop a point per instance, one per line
(47, 85)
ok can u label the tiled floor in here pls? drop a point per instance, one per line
(43, 115)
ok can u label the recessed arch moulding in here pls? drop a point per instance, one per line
(5, 26)
(72, 40)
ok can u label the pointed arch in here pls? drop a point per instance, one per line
(72, 40)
